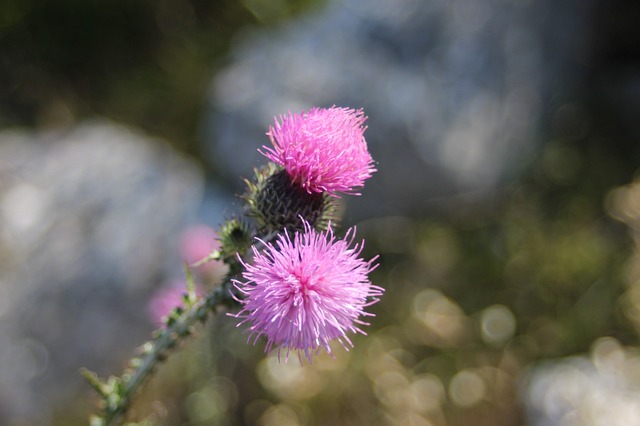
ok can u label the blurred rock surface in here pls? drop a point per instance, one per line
(601, 389)
(89, 225)
(455, 91)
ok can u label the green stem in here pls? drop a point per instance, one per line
(118, 392)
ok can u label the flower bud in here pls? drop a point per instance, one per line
(276, 203)
(235, 237)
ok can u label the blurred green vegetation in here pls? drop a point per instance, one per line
(146, 63)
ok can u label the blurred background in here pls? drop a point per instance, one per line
(504, 210)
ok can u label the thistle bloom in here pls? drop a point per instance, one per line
(322, 150)
(303, 293)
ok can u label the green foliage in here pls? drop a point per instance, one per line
(146, 63)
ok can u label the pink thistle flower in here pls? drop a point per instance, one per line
(322, 150)
(303, 293)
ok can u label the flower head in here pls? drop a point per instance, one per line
(322, 150)
(304, 292)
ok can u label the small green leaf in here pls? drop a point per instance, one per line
(94, 381)
(191, 285)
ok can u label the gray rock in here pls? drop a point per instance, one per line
(89, 224)
(454, 91)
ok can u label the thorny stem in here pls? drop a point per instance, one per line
(117, 392)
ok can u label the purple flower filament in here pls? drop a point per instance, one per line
(322, 150)
(304, 292)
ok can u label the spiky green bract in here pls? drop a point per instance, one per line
(275, 203)
(235, 237)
